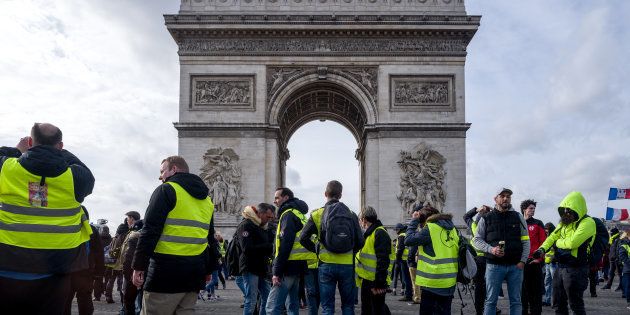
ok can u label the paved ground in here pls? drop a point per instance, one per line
(230, 299)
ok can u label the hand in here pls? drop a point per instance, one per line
(520, 265)
(497, 251)
(276, 281)
(378, 291)
(138, 278)
(535, 261)
(23, 144)
(538, 253)
(209, 278)
(415, 214)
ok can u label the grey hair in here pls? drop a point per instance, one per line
(368, 213)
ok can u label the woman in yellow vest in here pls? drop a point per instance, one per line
(373, 263)
(436, 274)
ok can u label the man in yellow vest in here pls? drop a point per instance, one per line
(290, 257)
(438, 247)
(177, 248)
(402, 254)
(374, 264)
(43, 229)
(335, 269)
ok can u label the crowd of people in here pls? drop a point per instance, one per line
(282, 256)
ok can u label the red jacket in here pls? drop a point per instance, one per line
(537, 234)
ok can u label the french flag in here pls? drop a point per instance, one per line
(613, 214)
(618, 193)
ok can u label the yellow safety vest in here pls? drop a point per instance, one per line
(40, 213)
(406, 250)
(365, 266)
(313, 262)
(473, 228)
(549, 256)
(324, 255)
(222, 248)
(185, 231)
(439, 271)
(298, 252)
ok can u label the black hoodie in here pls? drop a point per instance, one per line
(170, 273)
(289, 226)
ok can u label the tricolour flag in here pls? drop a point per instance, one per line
(613, 214)
(618, 193)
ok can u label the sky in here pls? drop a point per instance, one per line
(545, 92)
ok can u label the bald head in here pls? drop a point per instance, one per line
(46, 134)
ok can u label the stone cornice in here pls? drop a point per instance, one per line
(418, 130)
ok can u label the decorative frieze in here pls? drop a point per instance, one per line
(322, 46)
(222, 173)
(218, 92)
(422, 93)
(422, 178)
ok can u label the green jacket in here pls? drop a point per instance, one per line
(572, 242)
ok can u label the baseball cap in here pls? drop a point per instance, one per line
(504, 190)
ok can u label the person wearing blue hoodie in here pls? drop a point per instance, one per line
(290, 256)
(438, 248)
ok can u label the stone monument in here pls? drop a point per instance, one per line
(391, 71)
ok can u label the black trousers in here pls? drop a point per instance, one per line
(81, 283)
(569, 284)
(43, 296)
(614, 267)
(434, 304)
(592, 280)
(531, 295)
(129, 296)
(113, 275)
(479, 280)
(372, 304)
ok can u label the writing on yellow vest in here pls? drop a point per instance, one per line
(439, 271)
(324, 255)
(185, 231)
(298, 252)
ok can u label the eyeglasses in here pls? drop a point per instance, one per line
(564, 210)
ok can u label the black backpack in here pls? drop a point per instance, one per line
(601, 241)
(338, 228)
(232, 257)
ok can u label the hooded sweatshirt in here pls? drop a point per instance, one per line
(171, 273)
(290, 224)
(572, 240)
(423, 238)
(254, 244)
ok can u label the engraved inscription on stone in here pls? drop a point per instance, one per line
(222, 174)
(421, 93)
(223, 92)
(422, 178)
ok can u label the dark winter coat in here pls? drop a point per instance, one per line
(289, 226)
(170, 273)
(255, 247)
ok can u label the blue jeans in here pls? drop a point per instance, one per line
(331, 276)
(312, 291)
(495, 274)
(255, 286)
(289, 287)
(625, 285)
(210, 285)
(240, 283)
(549, 270)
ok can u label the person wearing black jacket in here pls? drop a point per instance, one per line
(26, 271)
(401, 264)
(373, 282)
(162, 264)
(287, 272)
(615, 265)
(126, 254)
(254, 244)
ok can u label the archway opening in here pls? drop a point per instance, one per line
(323, 150)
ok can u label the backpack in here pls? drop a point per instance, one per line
(232, 257)
(109, 260)
(466, 265)
(338, 228)
(600, 243)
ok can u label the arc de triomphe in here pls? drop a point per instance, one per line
(391, 71)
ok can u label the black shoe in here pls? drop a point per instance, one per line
(97, 299)
(606, 287)
(405, 299)
(618, 289)
(110, 301)
(498, 311)
(593, 294)
(242, 305)
(394, 291)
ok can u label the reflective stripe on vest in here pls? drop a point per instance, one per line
(406, 250)
(298, 252)
(439, 271)
(323, 254)
(185, 231)
(473, 228)
(365, 266)
(40, 213)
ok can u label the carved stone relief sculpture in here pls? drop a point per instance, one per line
(222, 174)
(422, 178)
(221, 92)
(422, 93)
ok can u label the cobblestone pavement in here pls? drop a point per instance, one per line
(607, 302)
